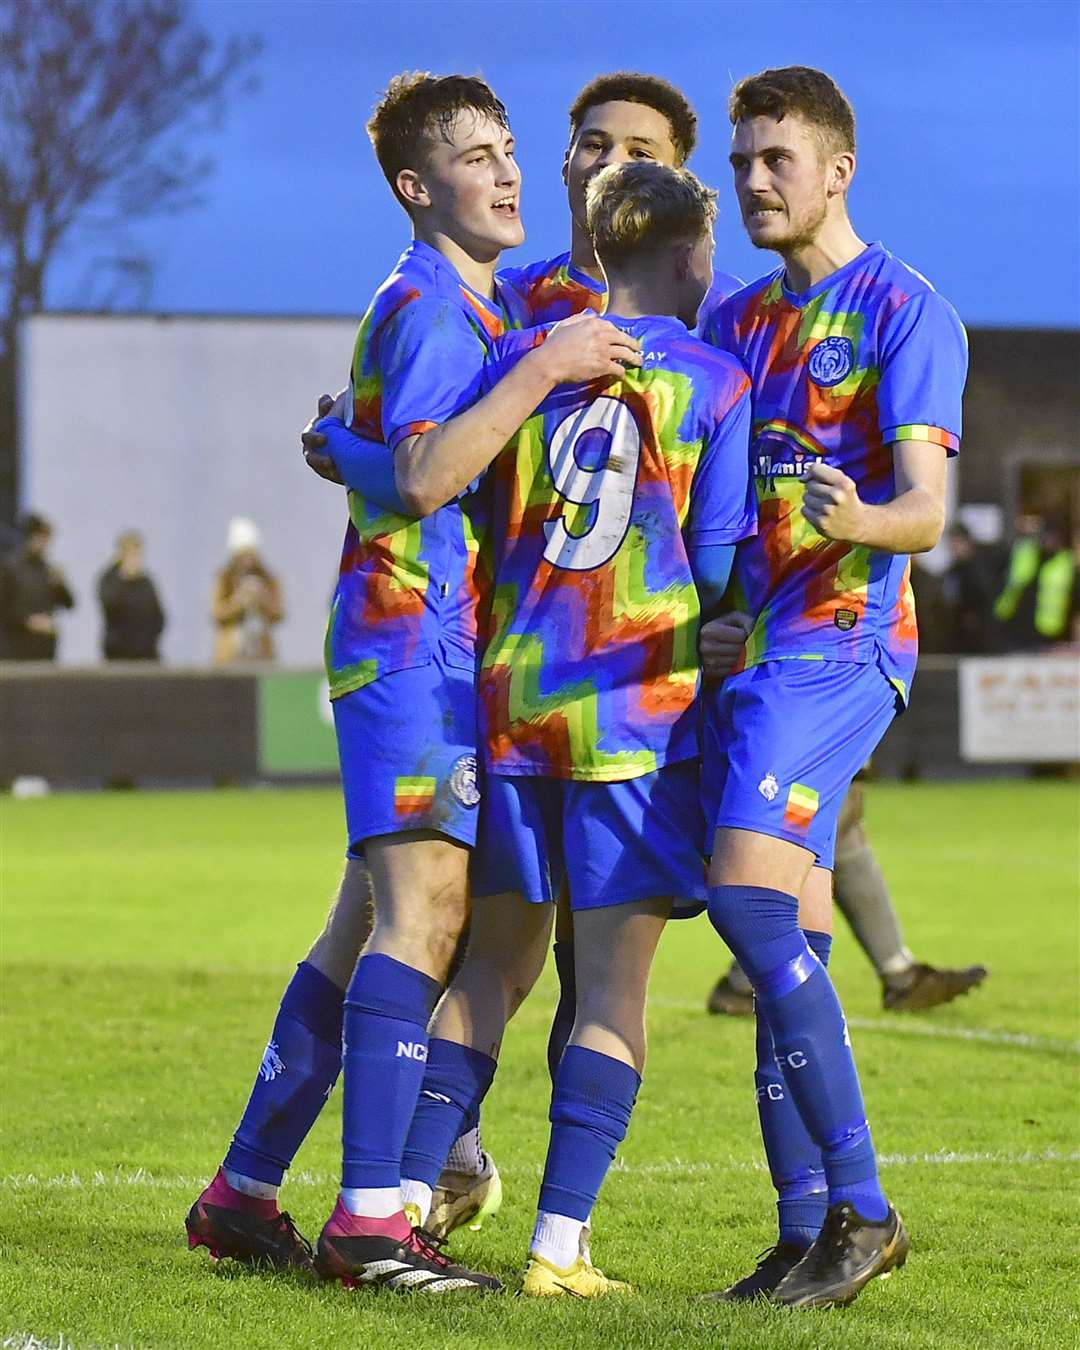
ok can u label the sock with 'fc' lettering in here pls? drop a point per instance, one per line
(809, 1034)
(795, 1164)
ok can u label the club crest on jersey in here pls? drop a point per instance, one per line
(463, 780)
(831, 361)
(769, 787)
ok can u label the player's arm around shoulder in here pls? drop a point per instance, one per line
(433, 463)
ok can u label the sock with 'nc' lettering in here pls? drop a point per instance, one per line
(387, 1009)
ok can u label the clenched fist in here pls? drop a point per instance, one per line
(832, 504)
(721, 642)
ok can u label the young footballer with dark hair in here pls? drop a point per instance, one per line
(619, 118)
(401, 657)
(625, 117)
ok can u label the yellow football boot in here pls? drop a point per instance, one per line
(581, 1280)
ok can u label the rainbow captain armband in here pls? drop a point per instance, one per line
(916, 431)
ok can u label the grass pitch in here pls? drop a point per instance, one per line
(146, 941)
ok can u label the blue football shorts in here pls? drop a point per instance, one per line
(782, 742)
(407, 751)
(608, 843)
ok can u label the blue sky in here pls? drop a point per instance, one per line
(968, 115)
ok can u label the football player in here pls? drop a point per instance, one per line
(858, 368)
(401, 655)
(615, 508)
(618, 118)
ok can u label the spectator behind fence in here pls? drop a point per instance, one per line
(1039, 603)
(935, 617)
(130, 606)
(968, 587)
(32, 589)
(246, 602)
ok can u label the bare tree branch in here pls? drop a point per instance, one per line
(99, 101)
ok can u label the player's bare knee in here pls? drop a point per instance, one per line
(620, 1010)
(335, 955)
(348, 926)
(746, 858)
(513, 972)
(439, 949)
(619, 1037)
(816, 901)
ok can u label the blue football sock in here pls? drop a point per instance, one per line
(809, 1035)
(456, 1081)
(563, 1022)
(590, 1113)
(299, 1067)
(387, 1009)
(795, 1163)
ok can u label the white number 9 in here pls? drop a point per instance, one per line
(593, 460)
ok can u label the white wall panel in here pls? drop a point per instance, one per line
(173, 425)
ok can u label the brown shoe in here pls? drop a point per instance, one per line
(726, 997)
(928, 986)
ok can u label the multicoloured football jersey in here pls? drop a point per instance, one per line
(549, 290)
(555, 289)
(868, 357)
(407, 586)
(590, 669)
(723, 285)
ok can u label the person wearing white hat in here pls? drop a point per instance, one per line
(246, 601)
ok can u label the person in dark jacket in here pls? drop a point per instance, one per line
(32, 589)
(968, 590)
(132, 611)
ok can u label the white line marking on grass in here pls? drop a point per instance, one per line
(24, 1340)
(942, 1158)
(18, 1181)
(981, 1035)
(987, 1036)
